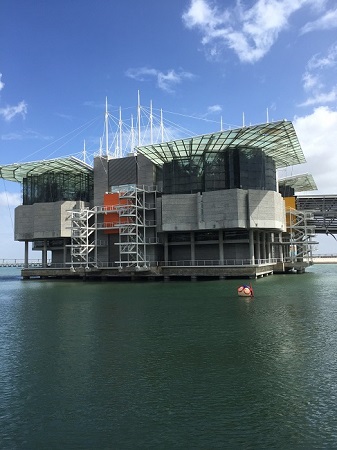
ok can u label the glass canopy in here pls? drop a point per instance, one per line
(300, 183)
(18, 171)
(277, 140)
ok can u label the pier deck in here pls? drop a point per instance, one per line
(162, 272)
(187, 270)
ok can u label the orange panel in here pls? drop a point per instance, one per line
(290, 202)
(111, 216)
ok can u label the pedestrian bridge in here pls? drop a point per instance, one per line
(324, 210)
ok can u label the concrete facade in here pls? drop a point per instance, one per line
(206, 201)
(44, 220)
(266, 210)
(225, 209)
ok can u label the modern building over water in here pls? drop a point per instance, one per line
(205, 206)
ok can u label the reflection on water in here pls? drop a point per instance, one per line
(169, 365)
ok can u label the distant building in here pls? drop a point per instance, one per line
(208, 205)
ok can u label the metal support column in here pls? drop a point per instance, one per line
(251, 246)
(26, 254)
(192, 247)
(44, 253)
(258, 247)
(221, 252)
(166, 253)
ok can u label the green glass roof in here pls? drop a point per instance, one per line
(19, 171)
(300, 183)
(277, 140)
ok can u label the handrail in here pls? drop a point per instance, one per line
(181, 263)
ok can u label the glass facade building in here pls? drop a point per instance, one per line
(52, 187)
(236, 168)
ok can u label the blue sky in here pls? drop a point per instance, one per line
(202, 62)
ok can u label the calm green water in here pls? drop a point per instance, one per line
(177, 365)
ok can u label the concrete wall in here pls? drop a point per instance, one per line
(180, 212)
(24, 222)
(225, 209)
(44, 220)
(266, 210)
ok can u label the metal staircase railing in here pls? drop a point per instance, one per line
(301, 231)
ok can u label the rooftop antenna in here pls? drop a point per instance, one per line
(116, 153)
(161, 125)
(138, 112)
(120, 153)
(84, 152)
(243, 119)
(221, 124)
(132, 136)
(106, 127)
(151, 124)
(267, 115)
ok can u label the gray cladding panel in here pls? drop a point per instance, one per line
(266, 210)
(122, 171)
(226, 209)
(179, 212)
(44, 220)
(101, 185)
(146, 171)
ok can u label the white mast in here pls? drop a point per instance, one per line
(243, 119)
(161, 125)
(106, 128)
(221, 124)
(116, 153)
(132, 136)
(138, 112)
(267, 115)
(120, 134)
(84, 151)
(151, 124)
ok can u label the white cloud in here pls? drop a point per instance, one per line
(250, 32)
(324, 62)
(11, 111)
(317, 133)
(165, 81)
(214, 109)
(321, 98)
(25, 134)
(10, 199)
(211, 110)
(319, 79)
(2, 84)
(325, 22)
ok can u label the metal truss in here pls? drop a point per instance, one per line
(137, 225)
(301, 230)
(82, 227)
